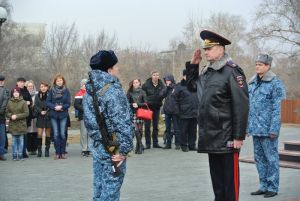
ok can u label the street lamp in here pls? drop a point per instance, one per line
(173, 52)
(3, 17)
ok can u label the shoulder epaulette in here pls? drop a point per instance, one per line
(231, 64)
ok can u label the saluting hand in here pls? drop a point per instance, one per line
(197, 58)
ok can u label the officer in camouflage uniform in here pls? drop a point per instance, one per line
(265, 94)
(116, 110)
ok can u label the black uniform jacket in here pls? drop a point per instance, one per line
(223, 106)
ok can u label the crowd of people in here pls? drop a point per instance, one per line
(215, 99)
(29, 114)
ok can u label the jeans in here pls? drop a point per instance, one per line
(59, 126)
(154, 130)
(2, 139)
(172, 121)
(17, 145)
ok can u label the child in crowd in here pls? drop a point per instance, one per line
(17, 111)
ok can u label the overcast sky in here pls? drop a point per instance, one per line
(150, 23)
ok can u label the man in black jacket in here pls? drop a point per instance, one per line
(222, 112)
(4, 97)
(171, 111)
(152, 87)
(27, 97)
(187, 102)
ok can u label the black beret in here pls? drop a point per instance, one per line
(2, 78)
(211, 39)
(103, 60)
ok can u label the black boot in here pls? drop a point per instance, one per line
(39, 146)
(139, 147)
(48, 142)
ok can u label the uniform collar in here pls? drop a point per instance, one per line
(266, 78)
(217, 65)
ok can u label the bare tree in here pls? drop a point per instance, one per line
(91, 44)
(277, 26)
(60, 43)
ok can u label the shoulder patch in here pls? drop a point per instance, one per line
(231, 64)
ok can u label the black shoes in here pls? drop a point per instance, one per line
(148, 146)
(184, 149)
(168, 146)
(270, 194)
(156, 146)
(266, 194)
(258, 192)
(2, 158)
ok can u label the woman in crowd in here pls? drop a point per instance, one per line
(137, 98)
(17, 111)
(43, 122)
(31, 130)
(58, 101)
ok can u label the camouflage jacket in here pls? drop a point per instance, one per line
(265, 105)
(116, 110)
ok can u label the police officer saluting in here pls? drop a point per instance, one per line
(222, 112)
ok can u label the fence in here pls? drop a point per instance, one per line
(290, 111)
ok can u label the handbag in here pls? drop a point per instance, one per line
(145, 114)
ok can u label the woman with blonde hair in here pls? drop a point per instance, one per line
(31, 130)
(58, 101)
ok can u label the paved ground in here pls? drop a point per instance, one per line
(166, 175)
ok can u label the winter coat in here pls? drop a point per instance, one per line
(27, 97)
(116, 112)
(17, 106)
(61, 97)
(170, 105)
(265, 105)
(32, 127)
(186, 100)
(42, 121)
(78, 103)
(153, 99)
(137, 96)
(223, 104)
(4, 98)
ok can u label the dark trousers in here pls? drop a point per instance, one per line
(25, 145)
(224, 173)
(188, 129)
(154, 128)
(172, 120)
(32, 142)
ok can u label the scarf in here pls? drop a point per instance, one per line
(42, 96)
(58, 91)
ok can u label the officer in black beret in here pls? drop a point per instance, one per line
(222, 112)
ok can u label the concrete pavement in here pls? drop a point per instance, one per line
(167, 175)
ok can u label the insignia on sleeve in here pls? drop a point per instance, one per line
(240, 81)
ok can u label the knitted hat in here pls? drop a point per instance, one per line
(103, 60)
(83, 82)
